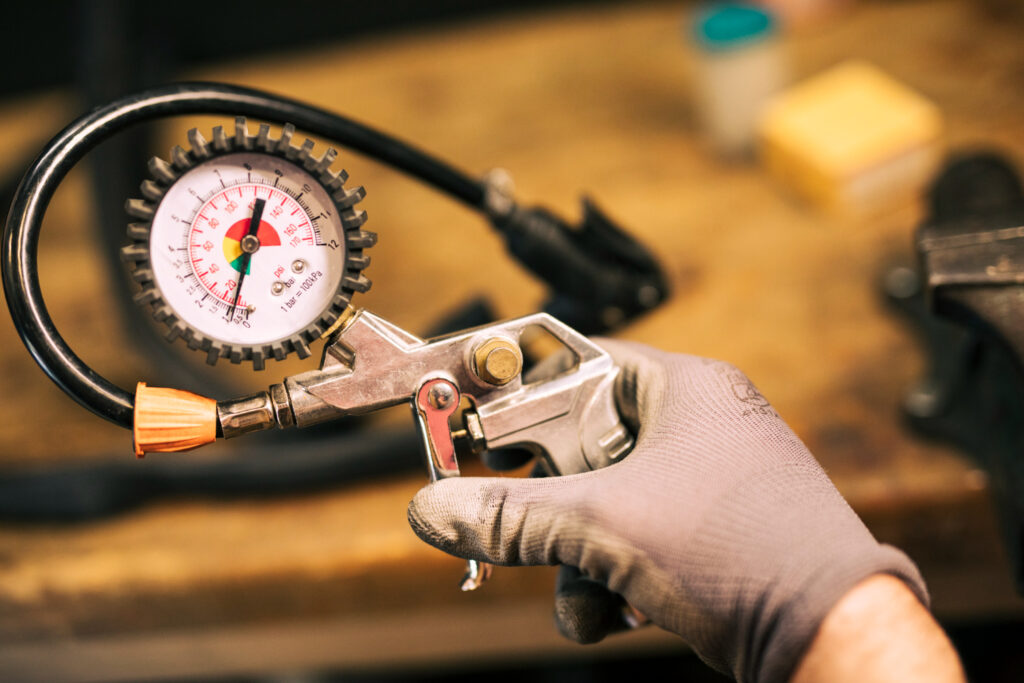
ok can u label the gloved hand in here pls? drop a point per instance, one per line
(719, 526)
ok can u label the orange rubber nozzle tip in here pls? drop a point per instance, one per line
(168, 420)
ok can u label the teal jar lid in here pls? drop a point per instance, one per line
(726, 26)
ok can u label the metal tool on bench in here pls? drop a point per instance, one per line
(967, 301)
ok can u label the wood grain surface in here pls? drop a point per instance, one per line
(587, 100)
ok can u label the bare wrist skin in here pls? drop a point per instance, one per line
(879, 631)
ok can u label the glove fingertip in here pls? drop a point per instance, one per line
(423, 527)
(572, 627)
(464, 517)
(494, 519)
(585, 610)
(431, 516)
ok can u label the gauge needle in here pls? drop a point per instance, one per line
(249, 243)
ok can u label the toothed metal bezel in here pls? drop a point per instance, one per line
(163, 175)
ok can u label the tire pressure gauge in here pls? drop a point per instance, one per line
(247, 247)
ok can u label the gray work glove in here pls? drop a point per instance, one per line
(720, 525)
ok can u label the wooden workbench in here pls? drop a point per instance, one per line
(572, 101)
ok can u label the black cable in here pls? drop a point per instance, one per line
(21, 236)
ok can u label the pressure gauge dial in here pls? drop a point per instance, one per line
(247, 247)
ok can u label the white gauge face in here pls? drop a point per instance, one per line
(236, 280)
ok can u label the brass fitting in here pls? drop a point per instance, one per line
(343, 320)
(497, 361)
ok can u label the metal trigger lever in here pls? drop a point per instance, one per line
(435, 402)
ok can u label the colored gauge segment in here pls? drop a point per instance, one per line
(232, 243)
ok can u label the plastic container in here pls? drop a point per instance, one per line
(740, 64)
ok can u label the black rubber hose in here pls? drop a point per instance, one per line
(82, 492)
(21, 236)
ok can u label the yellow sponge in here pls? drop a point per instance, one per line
(852, 137)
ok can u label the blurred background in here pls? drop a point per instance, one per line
(777, 158)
